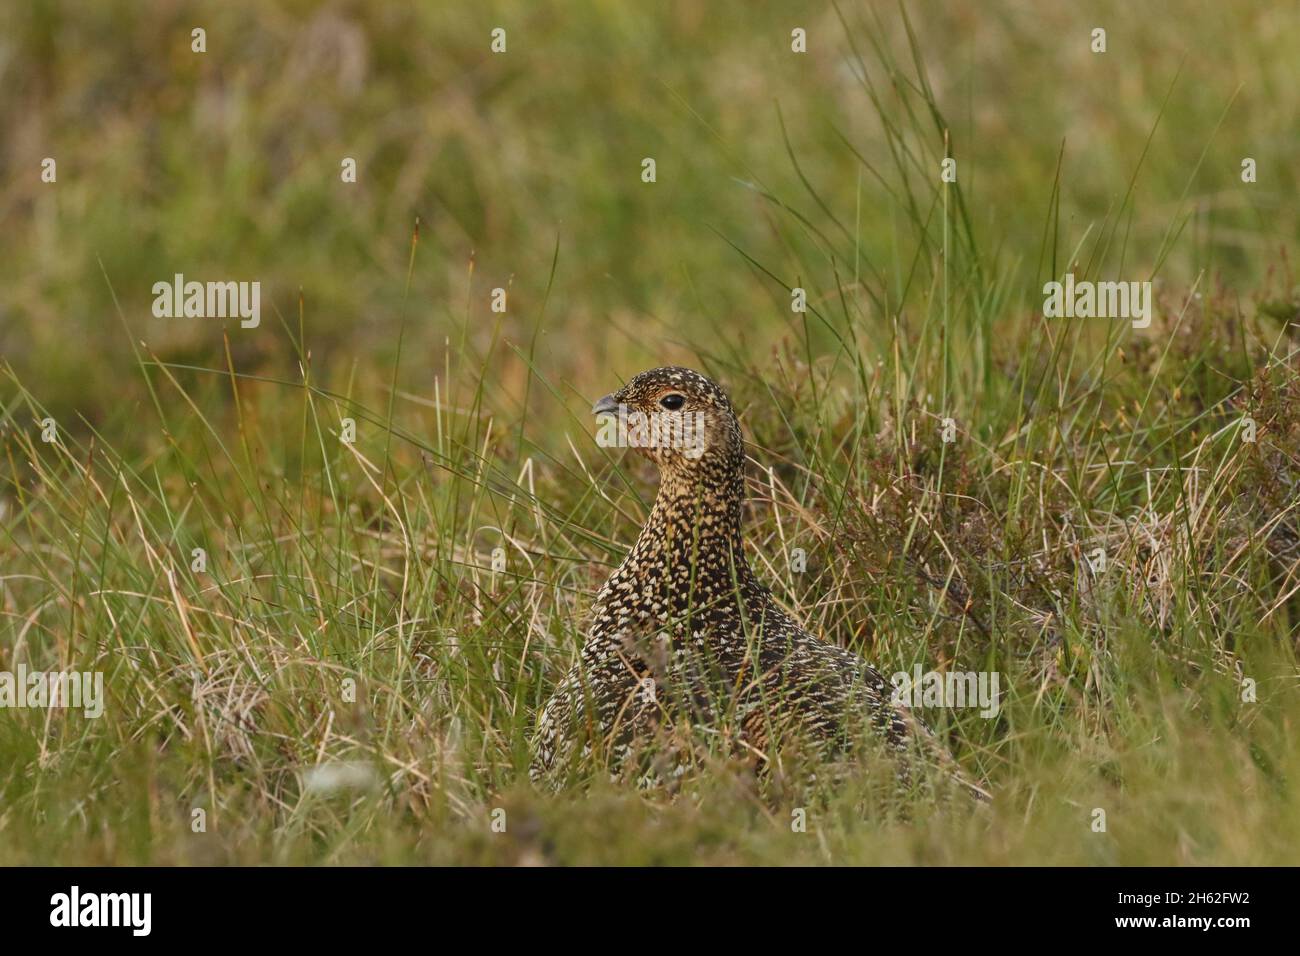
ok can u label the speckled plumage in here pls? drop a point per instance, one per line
(685, 630)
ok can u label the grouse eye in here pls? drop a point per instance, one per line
(672, 401)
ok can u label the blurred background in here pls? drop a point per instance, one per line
(226, 165)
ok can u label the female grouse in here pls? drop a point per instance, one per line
(683, 630)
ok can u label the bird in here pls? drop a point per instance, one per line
(684, 630)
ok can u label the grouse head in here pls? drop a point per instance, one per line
(677, 418)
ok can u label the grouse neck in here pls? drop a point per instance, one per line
(693, 536)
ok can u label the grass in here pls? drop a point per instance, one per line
(396, 609)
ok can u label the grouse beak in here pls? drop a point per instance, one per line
(606, 405)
